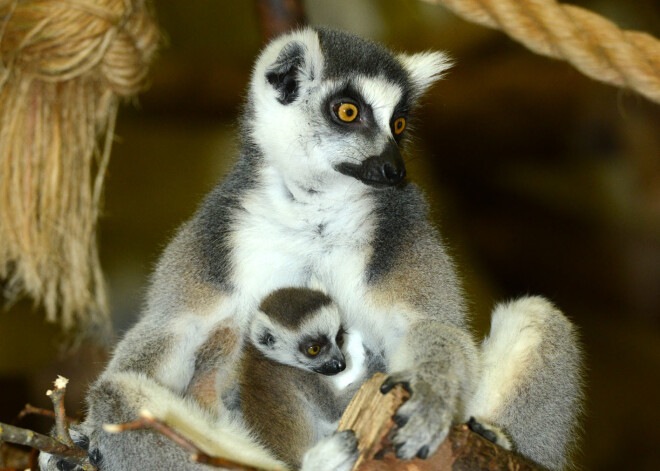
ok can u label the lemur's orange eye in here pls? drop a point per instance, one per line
(314, 350)
(399, 125)
(347, 112)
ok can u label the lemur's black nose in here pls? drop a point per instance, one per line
(383, 170)
(391, 164)
(392, 173)
(332, 367)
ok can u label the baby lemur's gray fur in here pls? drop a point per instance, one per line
(293, 383)
(319, 197)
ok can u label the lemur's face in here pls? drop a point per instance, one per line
(330, 107)
(315, 346)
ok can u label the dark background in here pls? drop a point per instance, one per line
(541, 180)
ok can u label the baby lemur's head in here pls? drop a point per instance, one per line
(302, 328)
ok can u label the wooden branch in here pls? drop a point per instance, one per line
(57, 396)
(369, 415)
(21, 436)
(29, 409)
(61, 446)
(148, 421)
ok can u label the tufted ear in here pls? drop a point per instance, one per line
(261, 331)
(424, 68)
(289, 62)
(283, 73)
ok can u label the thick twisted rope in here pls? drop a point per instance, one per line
(64, 65)
(594, 45)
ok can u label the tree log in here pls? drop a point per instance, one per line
(369, 415)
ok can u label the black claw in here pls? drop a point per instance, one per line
(95, 457)
(82, 442)
(387, 386)
(400, 421)
(423, 452)
(390, 383)
(397, 449)
(481, 430)
(64, 465)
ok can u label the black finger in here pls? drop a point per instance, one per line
(400, 420)
(481, 430)
(82, 442)
(64, 465)
(387, 385)
(391, 382)
(423, 452)
(95, 457)
(397, 450)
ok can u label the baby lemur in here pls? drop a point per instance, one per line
(319, 194)
(293, 387)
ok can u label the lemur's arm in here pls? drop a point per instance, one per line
(187, 322)
(441, 376)
(438, 359)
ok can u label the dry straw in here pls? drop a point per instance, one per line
(64, 66)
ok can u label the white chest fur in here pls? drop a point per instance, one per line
(286, 239)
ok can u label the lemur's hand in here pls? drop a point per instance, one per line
(423, 420)
(338, 452)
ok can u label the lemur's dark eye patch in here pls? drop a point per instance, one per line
(346, 111)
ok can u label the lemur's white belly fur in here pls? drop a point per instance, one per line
(324, 241)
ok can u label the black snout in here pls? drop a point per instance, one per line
(386, 169)
(332, 367)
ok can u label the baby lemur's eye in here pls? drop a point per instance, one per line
(399, 125)
(340, 338)
(314, 350)
(346, 112)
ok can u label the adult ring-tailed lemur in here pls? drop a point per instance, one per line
(319, 197)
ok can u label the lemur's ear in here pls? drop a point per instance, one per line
(266, 338)
(425, 68)
(291, 61)
(283, 73)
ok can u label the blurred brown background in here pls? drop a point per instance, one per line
(542, 181)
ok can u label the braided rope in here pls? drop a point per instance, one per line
(594, 45)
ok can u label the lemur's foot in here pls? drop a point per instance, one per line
(490, 432)
(338, 452)
(423, 421)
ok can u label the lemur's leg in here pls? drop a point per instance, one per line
(530, 384)
(435, 355)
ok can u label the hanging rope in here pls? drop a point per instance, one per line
(64, 65)
(593, 44)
